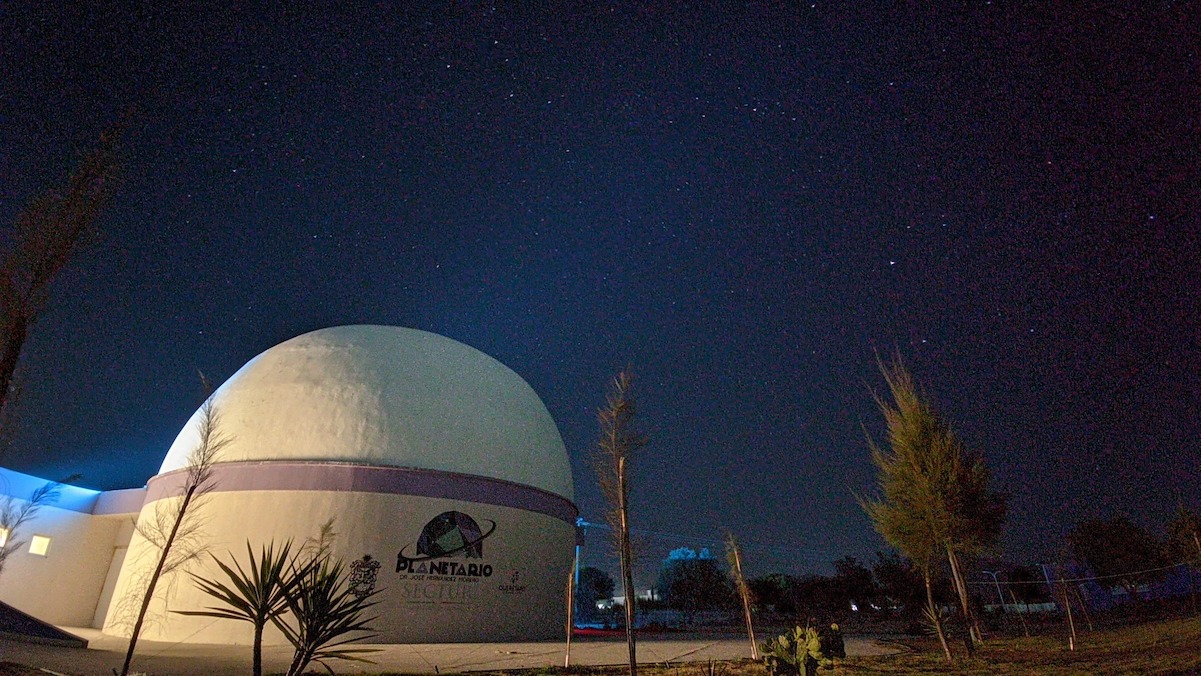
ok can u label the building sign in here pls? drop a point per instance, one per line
(446, 563)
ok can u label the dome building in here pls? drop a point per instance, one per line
(444, 477)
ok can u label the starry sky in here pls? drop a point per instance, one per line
(746, 202)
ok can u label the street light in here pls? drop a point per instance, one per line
(1000, 596)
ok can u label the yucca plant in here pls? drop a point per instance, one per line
(257, 595)
(326, 611)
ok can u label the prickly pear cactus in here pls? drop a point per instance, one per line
(797, 653)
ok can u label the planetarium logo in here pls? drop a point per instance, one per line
(448, 535)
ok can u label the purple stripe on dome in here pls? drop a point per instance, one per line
(345, 477)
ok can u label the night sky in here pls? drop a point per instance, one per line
(746, 204)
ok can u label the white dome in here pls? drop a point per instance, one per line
(386, 397)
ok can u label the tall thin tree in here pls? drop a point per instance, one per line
(569, 594)
(902, 517)
(45, 234)
(734, 557)
(198, 481)
(618, 441)
(964, 513)
(934, 498)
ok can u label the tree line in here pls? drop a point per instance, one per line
(935, 505)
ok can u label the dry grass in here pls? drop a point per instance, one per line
(1169, 647)
(1157, 648)
(736, 668)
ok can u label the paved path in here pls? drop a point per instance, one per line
(104, 653)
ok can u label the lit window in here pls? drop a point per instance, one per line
(3, 536)
(39, 545)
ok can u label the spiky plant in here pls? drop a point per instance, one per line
(326, 616)
(258, 594)
(797, 653)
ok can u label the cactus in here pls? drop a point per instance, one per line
(796, 654)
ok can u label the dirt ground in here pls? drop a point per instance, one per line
(106, 653)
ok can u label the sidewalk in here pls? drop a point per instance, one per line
(105, 653)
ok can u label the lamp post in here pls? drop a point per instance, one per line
(1000, 596)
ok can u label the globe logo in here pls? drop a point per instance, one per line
(446, 535)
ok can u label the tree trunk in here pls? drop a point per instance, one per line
(973, 633)
(1191, 578)
(570, 607)
(1021, 615)
(1083, 607)
(1067, 606)
(942, 638)
(257, 666)
(627, 566)
(298, 664)
(16, 329)
(1192, 587)
(158, 569)
(746, 599)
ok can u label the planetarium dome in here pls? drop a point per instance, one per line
(440, 471)
(385, 396)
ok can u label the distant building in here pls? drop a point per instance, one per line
(445, 475)
(644, 595)
(688, 554)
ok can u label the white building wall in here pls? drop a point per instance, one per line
(63, 586)
(529, 556)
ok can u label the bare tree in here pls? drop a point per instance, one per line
(1062, 587)
(618, 441)
(734, 556)
(175, 528)
(47, 231)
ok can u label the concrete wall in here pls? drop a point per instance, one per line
(519, 595)
(64, 586)
(85, 527)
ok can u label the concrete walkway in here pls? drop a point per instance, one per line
(105, 653)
